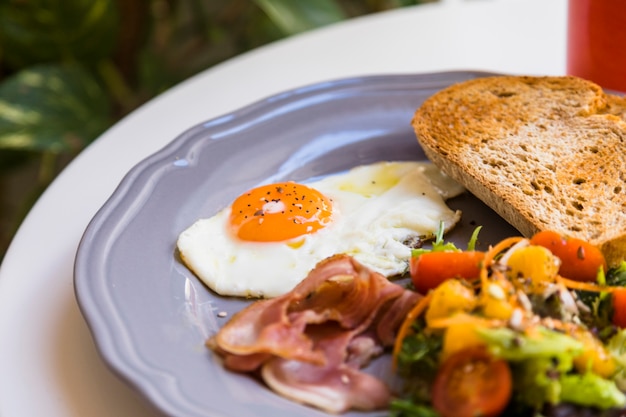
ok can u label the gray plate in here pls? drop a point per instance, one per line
(148, 314)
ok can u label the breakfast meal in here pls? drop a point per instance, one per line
(543, 152)
(535, 325)
(521, 329)
(267, 241)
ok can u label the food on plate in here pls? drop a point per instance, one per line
(546, 153)
(530, 327)
(310, 344)
(272, 236)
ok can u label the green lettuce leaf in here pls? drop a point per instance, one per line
(537, 363)
(591, 390)
(542, 368)
(537, 382)
(513, 346)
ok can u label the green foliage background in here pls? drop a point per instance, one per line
(71, 68)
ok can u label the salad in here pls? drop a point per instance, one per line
(530, 327)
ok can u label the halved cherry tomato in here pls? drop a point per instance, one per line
(471, 383)
(580, 260)
(430, 269)
(619, 307)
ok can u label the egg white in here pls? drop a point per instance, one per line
(376, 208)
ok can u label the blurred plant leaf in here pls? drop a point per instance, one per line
(39, 31)
(10, 159)
(297, 16)
(52, 108)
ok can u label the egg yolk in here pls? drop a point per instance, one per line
(277, 212)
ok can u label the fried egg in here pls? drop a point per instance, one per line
(270, 237)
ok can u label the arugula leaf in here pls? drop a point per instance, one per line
(617, 276)
(600, 303)
(471, 245)
(418, 361)
(407, 408)
(420, 351)
(439, 245)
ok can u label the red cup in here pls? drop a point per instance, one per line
(596, 42)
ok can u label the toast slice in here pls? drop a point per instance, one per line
(543, 152)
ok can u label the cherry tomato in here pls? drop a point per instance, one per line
(580, 260)
(471, 383)
(619, 307)
(430, 269)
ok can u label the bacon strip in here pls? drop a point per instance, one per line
(311, 343)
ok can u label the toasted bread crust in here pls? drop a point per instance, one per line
(543, 152)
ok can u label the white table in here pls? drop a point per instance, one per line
(49, 365)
